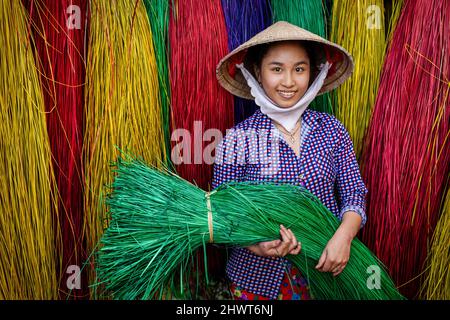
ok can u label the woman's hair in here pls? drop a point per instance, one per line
(256, 54)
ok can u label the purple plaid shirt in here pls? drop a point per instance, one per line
(327, 167)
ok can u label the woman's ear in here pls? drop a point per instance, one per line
(257, 73)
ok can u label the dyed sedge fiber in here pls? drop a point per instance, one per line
(27, 198)
(405, 161)
(159, 220)
(123, 106)
(393, 10)
(355, 98)
(436, 285)
(198, 40)
(309, 15)
(244, 19)
(62, 68)
(158, 16)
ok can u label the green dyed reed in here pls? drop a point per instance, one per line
(159, 220)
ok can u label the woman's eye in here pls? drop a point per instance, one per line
(277, 69)
(299, 69)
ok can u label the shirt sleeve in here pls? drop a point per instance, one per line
(230, 160)
(350, 186)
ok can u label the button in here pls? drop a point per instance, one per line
(302, 177)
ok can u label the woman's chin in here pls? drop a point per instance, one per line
(286, 104)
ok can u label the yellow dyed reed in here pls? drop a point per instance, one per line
(28, 250)
(358, 26)
(436, 285)
(123, 106)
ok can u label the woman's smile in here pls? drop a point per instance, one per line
(286, 94)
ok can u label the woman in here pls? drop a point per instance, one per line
(284, 68)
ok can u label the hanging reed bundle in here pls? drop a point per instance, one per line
(201, 109)
(358, 26)
(158, 221)
(123, 106)
(198, 40)
(59, 31)
(309, 15)
(244, 19)
(158, 15)
(28, 201)
(437, 281)
(405, 161)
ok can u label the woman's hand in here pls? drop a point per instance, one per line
(278, 248)
(336, 254)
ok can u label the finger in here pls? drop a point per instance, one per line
(293, 238)
(293, 246)
(322, 260)
(290, 239)
(336, 271)
(284, 234)
(283, 248)
(328, 265)
(291, 234)
(339, 270)
(292, 250)
(297, 249)
(335, 267)
(285, 244)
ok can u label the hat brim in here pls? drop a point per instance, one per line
(233, 81)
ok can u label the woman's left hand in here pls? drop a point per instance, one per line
(336, 254)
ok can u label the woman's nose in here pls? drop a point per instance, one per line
(288, 80)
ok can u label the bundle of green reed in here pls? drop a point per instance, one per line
(158, 220)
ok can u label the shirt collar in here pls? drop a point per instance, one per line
(310, 117)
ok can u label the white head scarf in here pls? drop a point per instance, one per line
(287, 117)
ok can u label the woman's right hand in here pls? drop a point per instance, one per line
(278, 248)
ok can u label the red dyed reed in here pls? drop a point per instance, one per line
(406, 157)
(59, 29)
(198, 40)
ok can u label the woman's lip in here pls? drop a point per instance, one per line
(286, 94)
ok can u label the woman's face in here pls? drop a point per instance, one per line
(284, 73)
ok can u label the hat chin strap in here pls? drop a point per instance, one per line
(287, 117)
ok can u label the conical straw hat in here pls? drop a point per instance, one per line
(232, 79)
